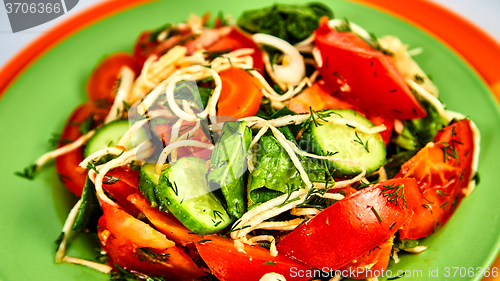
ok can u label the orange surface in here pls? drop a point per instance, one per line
(447, 27)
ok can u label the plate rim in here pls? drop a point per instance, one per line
(453, 31)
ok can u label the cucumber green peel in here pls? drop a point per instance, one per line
(345, 142)
(182, 189)
(229, 164)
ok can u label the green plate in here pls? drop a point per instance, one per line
(38, 103)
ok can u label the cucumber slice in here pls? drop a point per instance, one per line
(107, 136)
(183, 189)
(229, 164)
(148, 183)
(345, 142)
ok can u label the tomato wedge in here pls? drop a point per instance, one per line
(241, 93)
(72, 176)
(363, 75)
(237, 39)
(102, 82)
(371, 264)
(213, 40)
(321, 96)
(144, 46)
(123, 182)
(134, 245)
(353, 226)
(228, 264)
(443, 171)
(164, 222)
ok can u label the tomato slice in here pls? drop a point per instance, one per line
(102, 82)
(321, 96)
(218, 39)
(318, 97)
(228, 264)
(364, 76)
(72, 176)
(144, 46)
(241, 93)
(371, 264)
(164, 222)
(130, 243)
(443, 170)
(237, 39)
(353, 226)
(123, 182)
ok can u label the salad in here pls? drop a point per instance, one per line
(298, 147)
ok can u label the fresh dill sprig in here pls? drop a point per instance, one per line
(360, 141)
(344, 27)
(110, 179)
(376, 214)
(28, 172)
(289, 194)
(59, 240)
(204, 241)
(210, 56)
(394, 193)
(86, 124)
(217, 214)
(146, 254)
(54, 139)
(233, 228)
(314, 116)
(91, 166)
(449, 151)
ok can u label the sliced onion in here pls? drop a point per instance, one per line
(295, 71)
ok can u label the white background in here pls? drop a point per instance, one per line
(484, 13)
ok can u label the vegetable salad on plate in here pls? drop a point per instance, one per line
(284, 145)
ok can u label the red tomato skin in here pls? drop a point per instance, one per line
(144, 48)
(349, 228)
(442, 182)
(364, 76)
(322, 96)
(102, 81)
(237, 39)
(164, 222)
(72, 176)
(122, 235)
(228, 264)
(122, 188)
(377, 259)
(217, 39)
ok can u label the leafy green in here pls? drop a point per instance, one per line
(275, 174)
(229, 164)
(267, 112)
(168, 28)
(395, 161)
(28, 172)
(89, 211)
(190, 91)
(405, 243)
(418, 132)
(293, 23)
